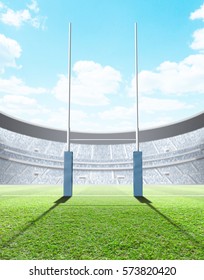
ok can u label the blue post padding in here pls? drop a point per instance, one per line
(68, 173)
(137, 174)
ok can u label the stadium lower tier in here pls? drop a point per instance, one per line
(17, 173)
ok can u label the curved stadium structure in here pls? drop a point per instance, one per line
(31, 154)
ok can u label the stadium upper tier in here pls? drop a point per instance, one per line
(31, 154)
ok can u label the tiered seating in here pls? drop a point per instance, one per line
(27, 160)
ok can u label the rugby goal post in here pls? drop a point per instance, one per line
(137, 155)
(68, 155)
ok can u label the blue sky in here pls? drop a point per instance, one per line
(33, 62)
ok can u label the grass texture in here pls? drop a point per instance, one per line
(101, 223)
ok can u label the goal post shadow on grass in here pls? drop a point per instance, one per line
(137, 155)
(59, 201)
(146, 201)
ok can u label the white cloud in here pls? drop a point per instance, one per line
(51, 118)
(10, 17)
(22, 106)
(177, 78)
(198, 40)
(118, 113)
(9, 51)
(198, 14)
(17, 18)
(157, 121)
(80, 120)
(185, 77)
(146, 104)
(123, 118)
(58, 119)
(118, 118)
(2, 5)
(91, 83)
(33, 6)
(16, 86)
(19, 99)
(198, 35)
(152, 105)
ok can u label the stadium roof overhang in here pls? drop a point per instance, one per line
(29, 129)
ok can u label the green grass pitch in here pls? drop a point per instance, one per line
(101, 223)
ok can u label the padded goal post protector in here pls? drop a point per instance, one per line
(137, 174)
(68, 173)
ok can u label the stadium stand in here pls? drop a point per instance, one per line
(31, 154)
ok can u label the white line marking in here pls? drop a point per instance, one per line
(102, 195)
(176, 195)
(106, 195)
(29, 195)
(202, 195)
